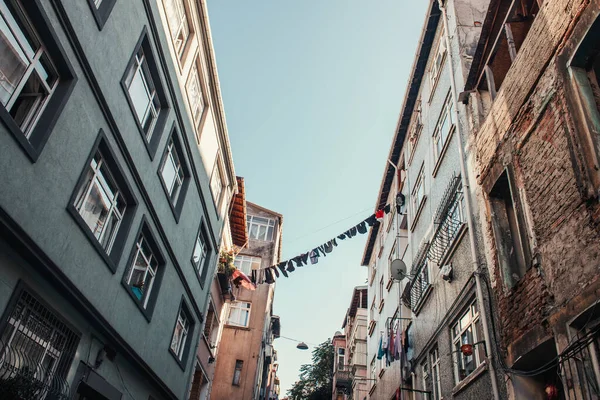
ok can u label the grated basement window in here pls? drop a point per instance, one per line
(37, 350)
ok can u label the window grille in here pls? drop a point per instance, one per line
(449, 218)
(420, 282)
(37, 350)
(579, 365)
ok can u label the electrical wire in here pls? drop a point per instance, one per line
(123, 382)
(297, 341)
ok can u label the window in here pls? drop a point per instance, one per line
(216, 183)
(101, 10)
(201, 254)
(373, 372)
(381, 292)
(467, 330)
(239, 313)
(174, 173)
(179, 26)
(434, 361)
(341, 358)
(506, 44)
(196, 95)
(260, 228)
(444, 128)
(436, 65)
(36, 342)
(181, 333)
(100, 202)
(509, 229)
(211, 327)
(142, 86)
(426, 377)
(247, 264)
(237, 373)
(418, 194)
(146, 266)
(35, 78)
(419, 286)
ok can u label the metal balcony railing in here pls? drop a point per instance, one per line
(343, 377)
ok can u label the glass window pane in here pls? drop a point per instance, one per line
(29, 102)
(139, 95)
(13, 62)
(169, 173)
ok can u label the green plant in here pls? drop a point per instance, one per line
(226, 265)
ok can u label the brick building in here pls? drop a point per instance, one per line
(532, 97)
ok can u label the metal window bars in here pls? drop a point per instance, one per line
(449, 219)
(36, 352)
(414, 291)
(579, 365)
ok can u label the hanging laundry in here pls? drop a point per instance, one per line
(275, 271)
(353, 231)
(334, 242)
(362, 227)
(269, 276)
(328, 247)
(371, 220)
(304, 258)
(314, 256)
(322, 250)
(380, 351)
(387, 208)
(290, 266)
(342, 236)
(281, 267)
(379, 214)
(298, 261)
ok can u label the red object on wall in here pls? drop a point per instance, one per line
(467, 349)
(379, 214)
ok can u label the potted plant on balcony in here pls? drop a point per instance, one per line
(225, 269)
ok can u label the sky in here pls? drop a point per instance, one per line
(312, 91)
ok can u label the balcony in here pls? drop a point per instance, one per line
(343, 377)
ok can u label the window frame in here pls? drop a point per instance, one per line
(153, 69)
(231, 306)
(237, 372)
(252, 260)
(435, 71)
(101, 13)
(146, 309)
(417, 208)
(175, 139)
(454, 340)
(250, 221)
(111, 258)
(182, 360)
(180, 54)
(435, 364)
(35, 138)
(197, 122)
(447, 114)
(202, 271)
(217, 169)
(211, 318)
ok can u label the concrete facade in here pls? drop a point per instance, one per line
(341, 374)
(355, 331)
(433, 233)
(534, 131)
(51, 259)
(246, 353)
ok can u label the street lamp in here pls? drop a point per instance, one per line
(302, 346)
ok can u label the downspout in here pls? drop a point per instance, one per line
(469, 207)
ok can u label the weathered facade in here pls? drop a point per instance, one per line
(246, 355)
(109, 219)
(440, 306)
(341, 374)
(355, 331)
(532, 95)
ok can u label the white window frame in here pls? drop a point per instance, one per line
(242, 308)
(458, 358)
(99, 177)
(97, 3)
(424, 373)
(434, 362)
(149, 116)
(178, 341)
(437, 65)
(204, 250)
(269, 226)
(418, 192)
(195, 95)
(341, 357)
(442, 134)
(247, 264)
(33, 56)
(172, 156)
(179, 29)
(373, 372)
(149, 269)
(216, 182)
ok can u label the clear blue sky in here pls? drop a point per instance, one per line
(312, 92)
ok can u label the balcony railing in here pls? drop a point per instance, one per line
(343, 377)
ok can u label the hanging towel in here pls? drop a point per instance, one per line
(281, 267)
(298, 261)
(362, 227)
(304, 258)
(269, 275)
(314, 257)
(290, 266)
(380, 351)
(371, 220)
(342, 236)
(334, 242)
(322, 250)
(275, 271)
(328, 247)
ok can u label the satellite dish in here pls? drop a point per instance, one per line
(398, 269)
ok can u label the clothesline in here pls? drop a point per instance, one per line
(314, 255)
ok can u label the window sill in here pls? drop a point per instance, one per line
(240, 328)
(381, 372)
(210, 349)
(438, 162)
(381, 304)
(145, 311)
(177, 360)
(423, 299)
(372, 327)
(418, 214)
(389, 284)
(453, 246)
(372, 389)
(469, 379)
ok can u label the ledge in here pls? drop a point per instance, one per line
(241, 328)
(381, 304)
(372, 389)
(413, 223)
(471, 378)
(389, 284)
(438, 162)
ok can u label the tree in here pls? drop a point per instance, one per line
(316, 379)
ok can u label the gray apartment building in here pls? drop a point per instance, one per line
(429, 333)
(110, 212)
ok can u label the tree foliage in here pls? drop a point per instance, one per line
(316, 379)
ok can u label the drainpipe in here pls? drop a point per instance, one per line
(469, 206)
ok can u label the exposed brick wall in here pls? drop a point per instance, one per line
(531, 128)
